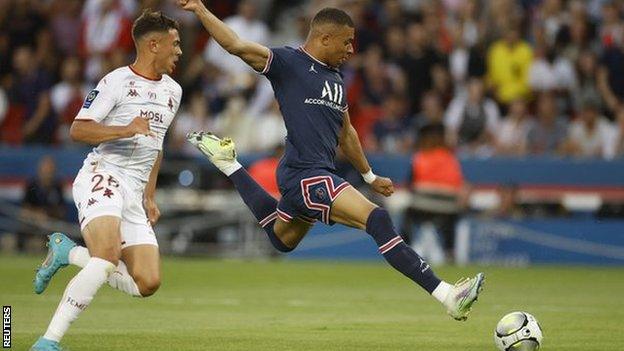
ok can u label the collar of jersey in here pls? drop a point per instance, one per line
(142, 76)
(316, 60)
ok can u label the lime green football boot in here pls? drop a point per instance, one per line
(463, 295)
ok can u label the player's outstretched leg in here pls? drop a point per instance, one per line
(353, 209)
(222, 153)
(63, 251)
(59, 246)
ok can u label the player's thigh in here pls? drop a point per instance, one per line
(103, 238)
(292, 232)
(143, 263)
(351, 208)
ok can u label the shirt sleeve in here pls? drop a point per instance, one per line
(276, 65)
(100, 101)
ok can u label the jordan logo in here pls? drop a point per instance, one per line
(312, 69)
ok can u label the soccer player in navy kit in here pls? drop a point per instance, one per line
(312, 99)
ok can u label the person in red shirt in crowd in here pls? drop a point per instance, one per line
(437, 185)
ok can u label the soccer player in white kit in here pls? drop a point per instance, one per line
(126, 116)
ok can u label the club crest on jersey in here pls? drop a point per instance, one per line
(92, 95)
(170, 104)
(152, 95)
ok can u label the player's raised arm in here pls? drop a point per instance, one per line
(351, 147)
(254, 54)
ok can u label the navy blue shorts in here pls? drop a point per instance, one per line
(307, 194)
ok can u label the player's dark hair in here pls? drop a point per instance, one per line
(334, 16)
(152, 21)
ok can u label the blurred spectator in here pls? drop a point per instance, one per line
(548, 133)
(264, 171)
(577, 35)
(436, 185)
(248, 27)
(508, 65)
(592, 135)
(552, 72)
(65, 23)
(418, 63)
(548, 21)
(23, 22)
(612, 28)
(234, 122)
(618, 136)
(432, 111)
(587, 85)
(391, 133)
(106, 29)
(67, 96)
(472, 120)
(611, 76)
(512, 134)
(30, 99)
(43, 199)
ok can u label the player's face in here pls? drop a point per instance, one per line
(340, 45)
(169, 51)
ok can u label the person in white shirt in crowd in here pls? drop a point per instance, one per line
(195, 115)
(472, 120)
(591, 135)
(511, 138)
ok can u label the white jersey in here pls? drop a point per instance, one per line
(118, 98)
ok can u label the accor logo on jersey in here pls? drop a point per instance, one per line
(331, 96)
(152, 116)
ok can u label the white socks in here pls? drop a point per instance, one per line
(230, 167)
(441, 291)
(78, 296)
(120, 279)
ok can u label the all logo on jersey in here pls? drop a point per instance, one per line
(334, 95)
(132, 93)
(92, 95)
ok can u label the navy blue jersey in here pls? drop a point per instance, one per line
(313, 101)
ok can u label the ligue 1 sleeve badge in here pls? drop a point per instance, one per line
(92, 95)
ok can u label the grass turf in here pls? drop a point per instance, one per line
(292, 305)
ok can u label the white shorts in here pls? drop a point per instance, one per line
(100, 192)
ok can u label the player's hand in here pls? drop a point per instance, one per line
(383, 186)
(191, 5)
(140, 125)
(153, 213)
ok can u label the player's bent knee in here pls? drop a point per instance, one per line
(147, 284)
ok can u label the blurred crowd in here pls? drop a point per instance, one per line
(504, 77)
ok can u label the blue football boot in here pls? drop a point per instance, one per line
(59, 246)
(46, 345)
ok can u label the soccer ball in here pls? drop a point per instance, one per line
(518, 331)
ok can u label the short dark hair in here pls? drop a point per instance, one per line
(334, 16)
(152, 21)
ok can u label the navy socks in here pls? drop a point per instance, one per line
(262, 205)
(397, 253)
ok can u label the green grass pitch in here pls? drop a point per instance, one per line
(291, 305)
